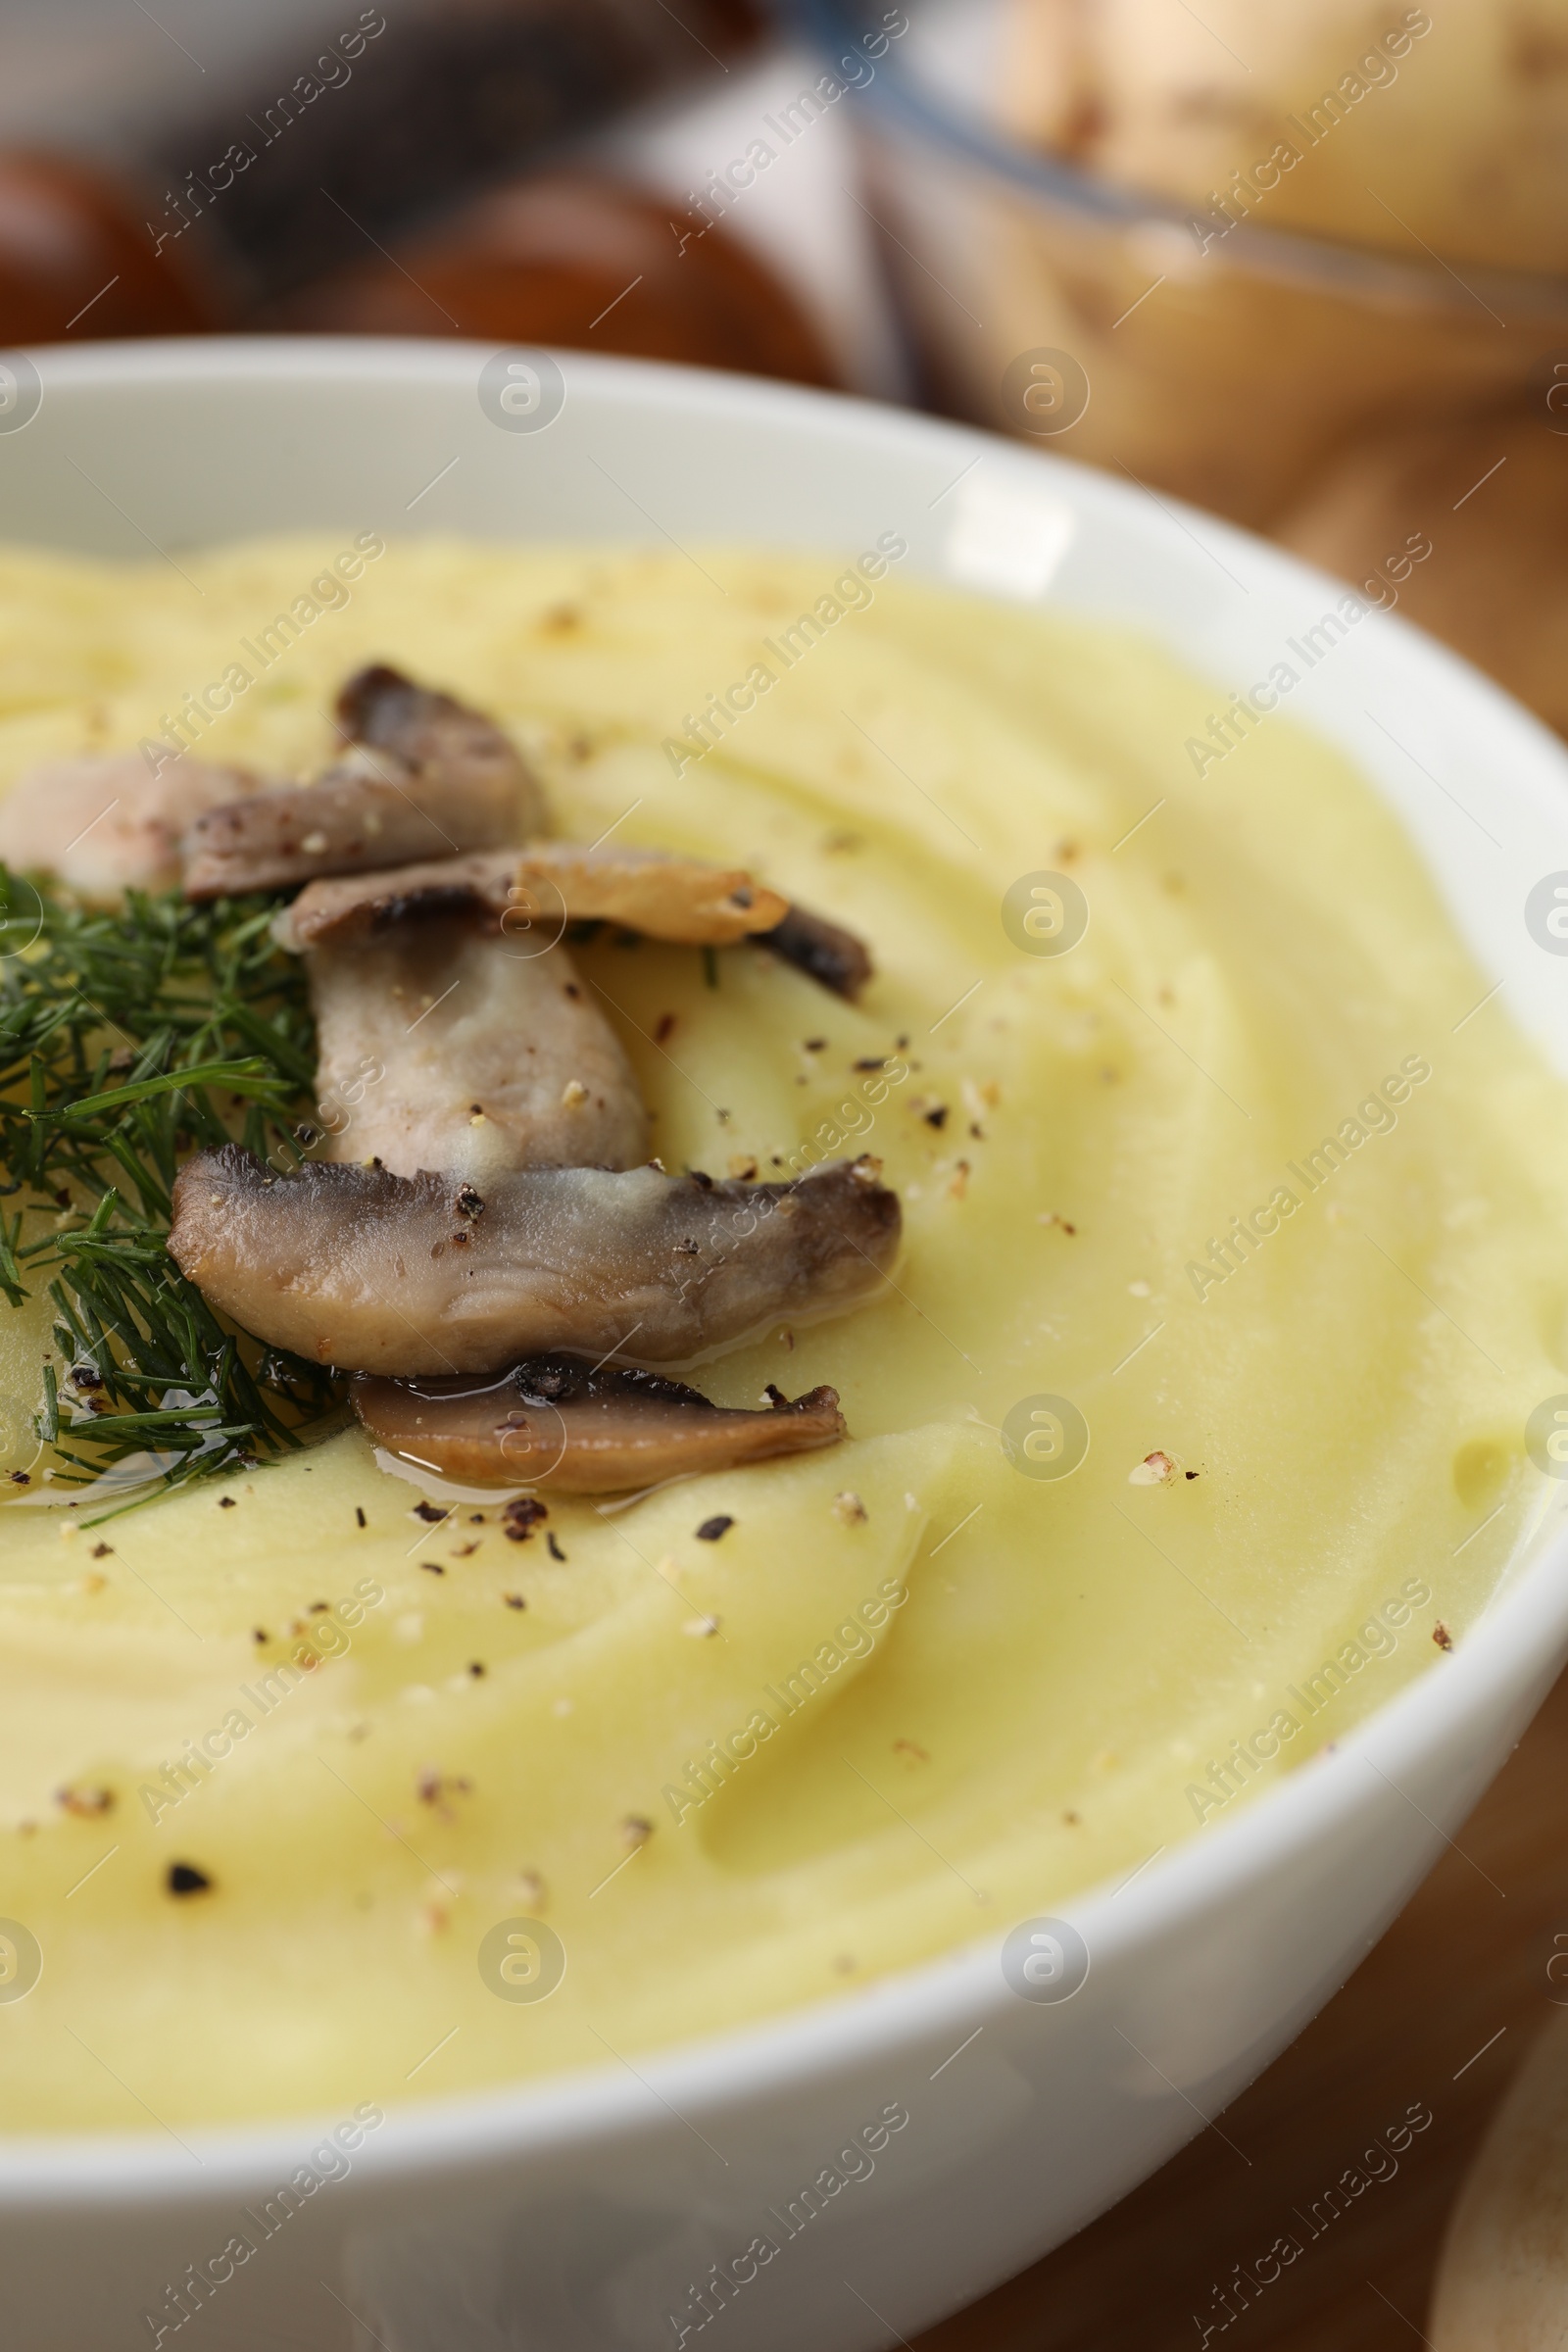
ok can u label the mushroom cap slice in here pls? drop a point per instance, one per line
(105, 823)
(425, 777)
(534, 893)
(440, 738)
(352, 819)
(371, 1272)
(443, 741)
(581, 1428)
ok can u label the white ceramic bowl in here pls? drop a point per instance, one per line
(578, 2212)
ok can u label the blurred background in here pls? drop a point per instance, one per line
(1303, 262)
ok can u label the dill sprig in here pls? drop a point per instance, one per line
(128, 1039)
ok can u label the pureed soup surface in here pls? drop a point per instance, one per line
(922, 1719)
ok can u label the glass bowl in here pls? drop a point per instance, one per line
(1044, 299)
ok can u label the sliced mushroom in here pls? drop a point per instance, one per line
(373, 1272)
(582, 1428)
(106, 823)
(441, 740)
(824, 952)
(534, 893)
(363, 812)
(343, 909)
(443, 1046)
(424, 777)
(448, 982)
(382, 707)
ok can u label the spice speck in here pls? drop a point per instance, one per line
(83, 1803)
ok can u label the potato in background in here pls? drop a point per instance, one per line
(1453, 135)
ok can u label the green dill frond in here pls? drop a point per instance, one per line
(127, 1040)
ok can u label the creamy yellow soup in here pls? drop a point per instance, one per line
(1219, 1192)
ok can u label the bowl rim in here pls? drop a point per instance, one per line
(1524, 1619)
(1339, 267)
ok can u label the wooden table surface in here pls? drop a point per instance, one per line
(1464, 1967)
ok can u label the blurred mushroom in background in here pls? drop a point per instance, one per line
(575, 259)
(382, 179)
(75, 258)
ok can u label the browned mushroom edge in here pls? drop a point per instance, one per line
(824, 952)
(583, 1428)
(371, 1272)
